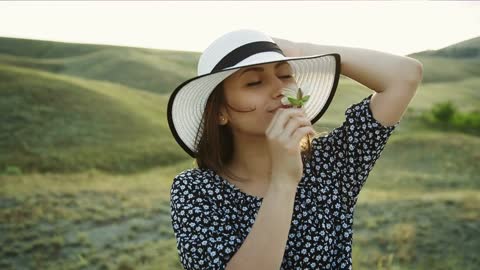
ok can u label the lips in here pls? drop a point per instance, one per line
(282, 106)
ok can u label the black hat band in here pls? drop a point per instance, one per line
(245, 51)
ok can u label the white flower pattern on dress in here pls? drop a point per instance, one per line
(211, 217)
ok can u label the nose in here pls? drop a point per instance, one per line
(277, 86)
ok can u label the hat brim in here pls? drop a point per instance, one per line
(187, 102)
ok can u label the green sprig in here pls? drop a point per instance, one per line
(300, 100)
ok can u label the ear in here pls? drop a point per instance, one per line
(222, 117)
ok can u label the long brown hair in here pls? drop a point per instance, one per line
(214, 142)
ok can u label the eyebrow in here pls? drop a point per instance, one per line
(260, 68)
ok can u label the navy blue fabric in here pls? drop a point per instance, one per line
(211, 217)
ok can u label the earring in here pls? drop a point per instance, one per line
(222, 119)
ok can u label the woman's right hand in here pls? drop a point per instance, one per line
(286, 130)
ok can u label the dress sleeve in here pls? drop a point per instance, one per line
(349, 152)
(202, 240)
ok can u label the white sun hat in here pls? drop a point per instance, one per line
(316, 75)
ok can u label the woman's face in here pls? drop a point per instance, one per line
(251, 93)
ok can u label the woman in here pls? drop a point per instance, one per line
(265, 195)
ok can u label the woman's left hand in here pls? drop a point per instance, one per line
(289, 48)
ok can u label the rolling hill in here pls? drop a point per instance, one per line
(453, 63)
(71, 107)
(76, 118)
(157, 71)
(54, 122)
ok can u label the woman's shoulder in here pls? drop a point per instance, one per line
(191, 174)
(191, 178)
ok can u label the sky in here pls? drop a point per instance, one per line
(399, 27)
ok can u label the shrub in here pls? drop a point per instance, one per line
(12, 170)
(445, 115)
(444, 112)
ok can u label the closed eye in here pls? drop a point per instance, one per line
(255, 83)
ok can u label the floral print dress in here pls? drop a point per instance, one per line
(211, 217)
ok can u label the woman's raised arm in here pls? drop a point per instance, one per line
(394, 78)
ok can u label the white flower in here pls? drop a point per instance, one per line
(294, 96)
(289, 91)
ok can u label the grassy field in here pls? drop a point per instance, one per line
(61, 123)
(416, 214)
(152, 70)
(87, 160)
(57, 221)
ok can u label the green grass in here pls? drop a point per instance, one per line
(157, 71)
(415, 233)
(90, 160)
(60, 123)
(456, 62)
(427, 161)
(442, 69)
(463, 94)
(469, 48)
(43, 48)
(108, 221)
(64, 123)
(68, 221)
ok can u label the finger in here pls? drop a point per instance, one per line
(293, 124)
(274, 120)
(283, 116)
